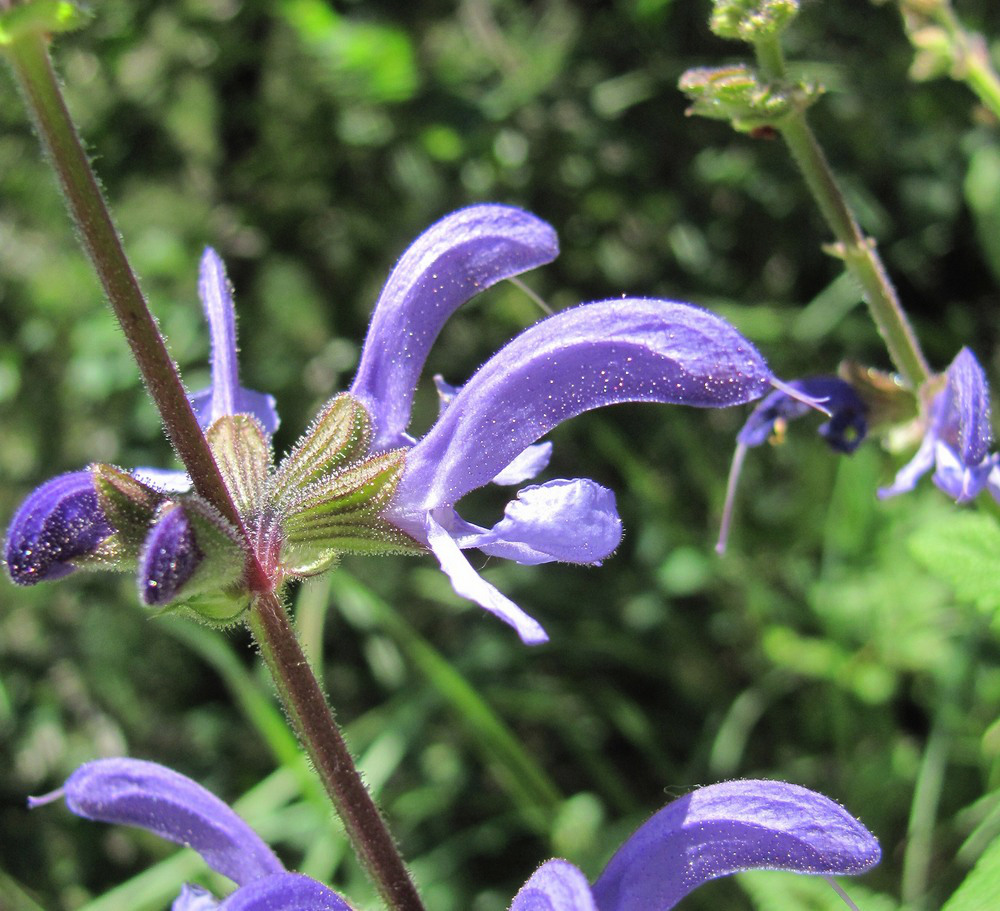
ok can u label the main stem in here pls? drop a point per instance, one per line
(313, 722)
(859, 252)
(297, 686)
(37, 81)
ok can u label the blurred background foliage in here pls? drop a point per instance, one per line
(309, 144)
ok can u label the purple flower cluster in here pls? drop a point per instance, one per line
(597, 354)
(712, 832)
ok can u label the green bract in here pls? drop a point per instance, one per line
(738, 94)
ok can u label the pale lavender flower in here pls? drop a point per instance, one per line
(628, 350)
(712, 832)
(957, 438)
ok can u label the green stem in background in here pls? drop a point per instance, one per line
(947, 722)
(299, 690)
(858, 252)
(313, 721)
(29, 57)
(964, 53)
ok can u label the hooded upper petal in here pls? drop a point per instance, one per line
(226, 395)
(555, 886)
(284, 892)
(729, 827)
(133, 792)
(60, 520)
(631, 350)
(449, 263)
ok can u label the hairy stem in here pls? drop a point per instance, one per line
(313, 721)
(858, 252)
(30, 60)
(298, 687)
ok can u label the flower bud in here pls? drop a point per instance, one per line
(59, 522)
(752, 20)
(190, 551)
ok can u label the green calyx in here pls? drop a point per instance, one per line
(40, 17)
(130, 508)
(330, 493)
(738, 94)
(752, 20)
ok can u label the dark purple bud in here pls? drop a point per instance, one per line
(170, 558)
(843, 432)
(190, 551)
(60, 520)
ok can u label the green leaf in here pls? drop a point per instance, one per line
(963, 551)
(981, 887)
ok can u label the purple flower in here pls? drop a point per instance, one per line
(957, 438)
(628, 350)
(843, 432)
(358, 482)
(712, 832)
(136, 793)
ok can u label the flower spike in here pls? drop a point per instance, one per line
(453, 260)
(60, 521)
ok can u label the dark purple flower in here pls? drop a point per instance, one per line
(628, 350)
(132, 792)
(957, 438)
(60, 521)
(843, 432)
(714, 831)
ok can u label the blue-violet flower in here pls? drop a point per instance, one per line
(957, 437)
(357, 481)
(712, 832)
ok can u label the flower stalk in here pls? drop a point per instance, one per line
(297, 687)
(316, 728)
(858, 252)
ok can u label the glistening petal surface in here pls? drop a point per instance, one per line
(58, 521)
(133, 792)
(284, 892)
(726, 828)
(449, 263)
(631, 350)
(555, 886)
